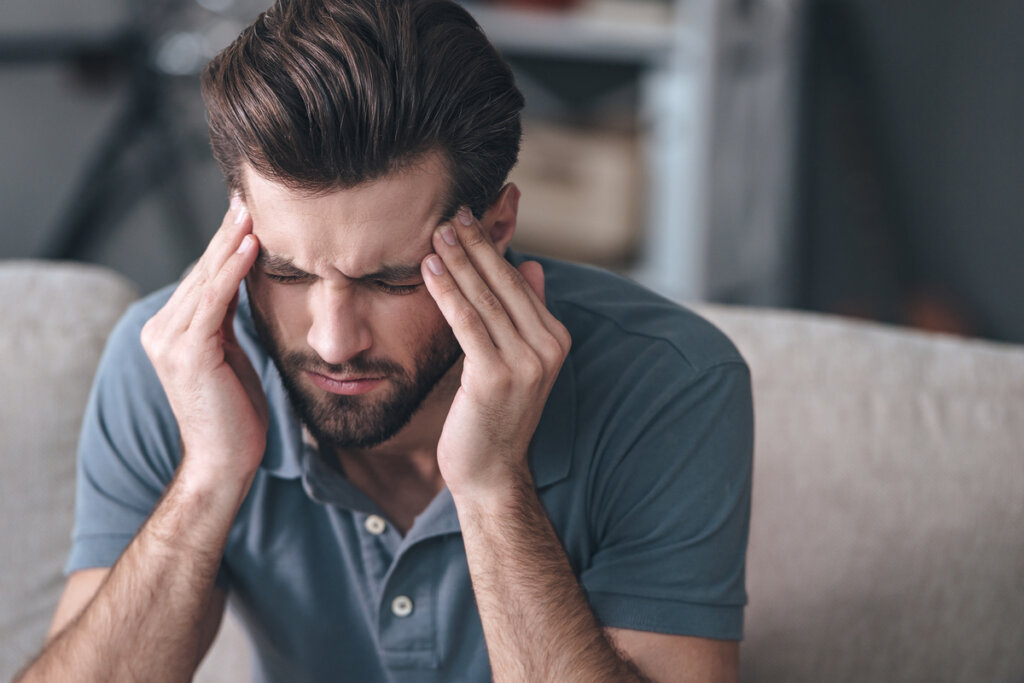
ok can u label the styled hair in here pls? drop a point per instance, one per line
(320, 95)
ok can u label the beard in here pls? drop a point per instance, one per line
(347, 422)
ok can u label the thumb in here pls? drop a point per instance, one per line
(534, 274)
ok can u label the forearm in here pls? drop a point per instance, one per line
(146, 620)
(536, 620)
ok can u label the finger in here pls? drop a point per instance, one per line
(227, 327)
(234, 226)
(235, 356)
(534, 275)
(463, 317)
(186, 298)
(475, 289)
(216, 297)
(526, 310)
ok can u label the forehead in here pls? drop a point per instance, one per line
(356, 230)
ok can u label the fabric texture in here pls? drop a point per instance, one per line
(642, 460)
(887, 533)
(56, 317)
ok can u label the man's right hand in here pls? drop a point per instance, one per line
(155, 613)
(211, 385)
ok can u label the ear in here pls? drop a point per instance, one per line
(499, 221)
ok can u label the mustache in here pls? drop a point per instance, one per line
(356, 366)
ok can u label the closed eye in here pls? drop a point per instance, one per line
(397, 290)
(288, 279)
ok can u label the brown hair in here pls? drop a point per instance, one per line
(321, 95)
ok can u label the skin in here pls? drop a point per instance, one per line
(471, 433)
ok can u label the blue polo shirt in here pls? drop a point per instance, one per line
(642, 460)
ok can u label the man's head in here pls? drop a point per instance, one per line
(326, 94)
(339, 301)
(353, 128)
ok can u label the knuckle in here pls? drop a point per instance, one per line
(551, 350)
(152, 338)
(531, 368)
(197, 276)
(457, 259)
(447, 285)
(465, 315)
(472, 237)
(563, 336)
(513, 277)
(148, 334)
(208, 298)
(487, 301)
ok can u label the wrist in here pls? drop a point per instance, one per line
(497, 496)
(196, 514)
(215, 488)
(204, 470)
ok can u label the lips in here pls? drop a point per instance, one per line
(345, 387)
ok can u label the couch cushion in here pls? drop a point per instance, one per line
(56, 318)
(887, 533)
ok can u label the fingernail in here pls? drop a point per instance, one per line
(448, 235)
(246, 243)
(235, 202)
(465, 217)
(435, 265)
(240, 216)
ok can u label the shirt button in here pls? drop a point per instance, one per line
(401, 606)
(376, 525)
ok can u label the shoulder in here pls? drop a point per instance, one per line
(126, 333)
(128, 432)
(647, 382)
(614, 319)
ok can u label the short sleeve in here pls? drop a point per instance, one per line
(671, 512)
(128, 447)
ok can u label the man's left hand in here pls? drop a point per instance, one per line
(514, 349)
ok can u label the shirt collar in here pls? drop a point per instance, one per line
(283, 455)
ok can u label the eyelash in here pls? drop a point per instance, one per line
(396, 290)
(286, 279)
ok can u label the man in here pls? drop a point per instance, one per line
(359, 415)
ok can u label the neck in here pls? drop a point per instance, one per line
(401, 475)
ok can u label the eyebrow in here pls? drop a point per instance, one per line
(388, 272)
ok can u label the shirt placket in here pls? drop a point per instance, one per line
(408, 609)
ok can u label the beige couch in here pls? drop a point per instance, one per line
(887, 539)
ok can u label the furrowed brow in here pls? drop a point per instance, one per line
(394, 273)
(283, 265)
(277, 264)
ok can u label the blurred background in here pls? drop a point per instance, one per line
(863, 157)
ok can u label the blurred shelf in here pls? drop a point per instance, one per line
(674, 44)
(575, 34)
(706, 76)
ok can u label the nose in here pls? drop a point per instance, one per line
(339, 330)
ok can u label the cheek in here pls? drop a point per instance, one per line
(283, 308)
(410, 318)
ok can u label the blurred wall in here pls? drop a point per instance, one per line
(915, 186)
(947, 101)
(57, 114)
